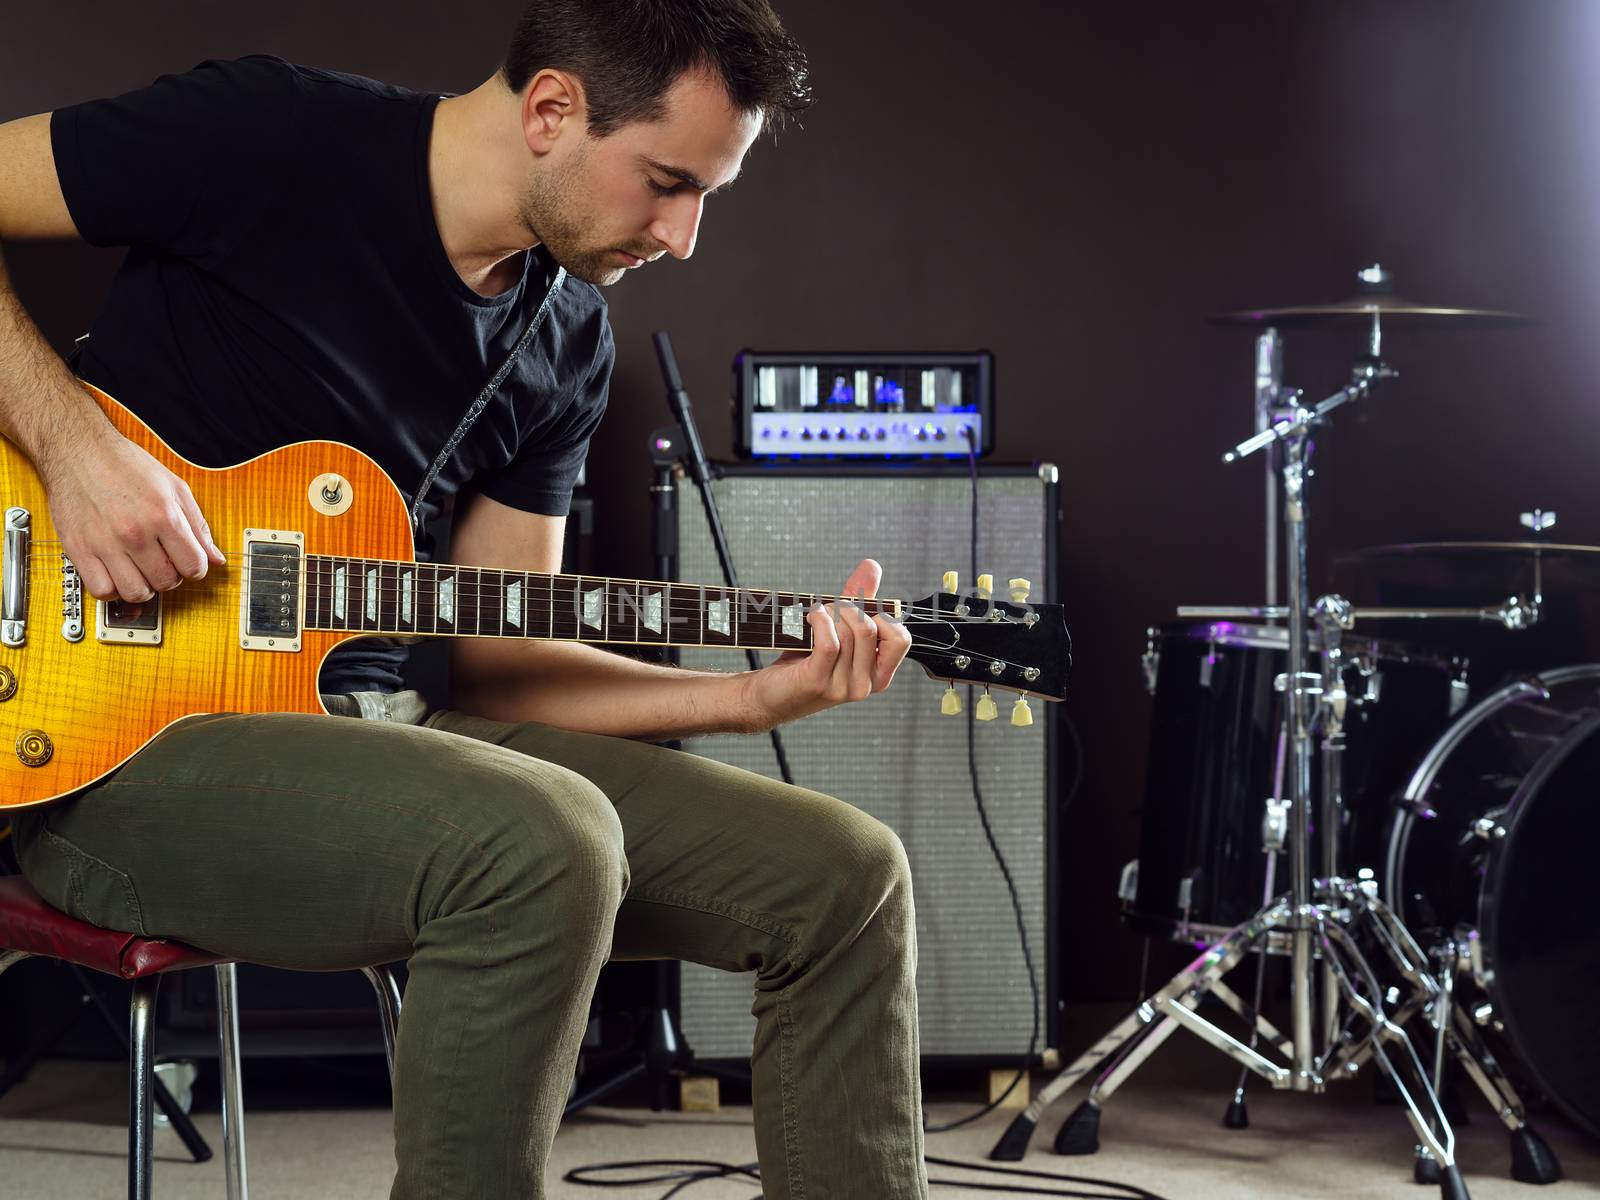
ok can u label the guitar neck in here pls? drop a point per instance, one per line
(447, 600)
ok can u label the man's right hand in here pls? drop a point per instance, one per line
(130, 526)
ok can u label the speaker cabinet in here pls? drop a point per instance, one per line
(894, 755)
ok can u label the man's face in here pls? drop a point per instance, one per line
(604, 205)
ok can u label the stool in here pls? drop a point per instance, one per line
(31, 928)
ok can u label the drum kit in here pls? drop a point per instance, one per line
(1433, 837)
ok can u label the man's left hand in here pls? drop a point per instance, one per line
(852, 655)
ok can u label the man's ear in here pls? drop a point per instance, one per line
(553, 107)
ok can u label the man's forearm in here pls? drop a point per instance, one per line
(587, 689)
(43, 410)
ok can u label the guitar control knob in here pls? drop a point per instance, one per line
(1021, 714)
(950, 705)
(34, 747)
(987, 709)
(8, 683)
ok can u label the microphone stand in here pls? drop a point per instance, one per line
(660, 1051)
(699, 469)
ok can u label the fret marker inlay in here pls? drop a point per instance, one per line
(594, 608)
(514, 604)
(719, 617)
(794, 621)
(405, 597)
(369, 592)
(447, 599)
(338, 592)
(652, 611)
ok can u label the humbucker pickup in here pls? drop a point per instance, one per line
(272, 593)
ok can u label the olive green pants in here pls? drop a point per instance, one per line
(508, 863)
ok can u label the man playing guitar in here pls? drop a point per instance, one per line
(316, 256)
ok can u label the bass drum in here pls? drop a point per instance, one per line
(1214, 740)
(1497, 838)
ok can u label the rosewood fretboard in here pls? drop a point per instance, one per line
(444, 599)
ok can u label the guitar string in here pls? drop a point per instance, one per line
(546, 591)
(937, 618)
(35, 555)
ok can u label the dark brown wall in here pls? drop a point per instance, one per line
(1074, 186)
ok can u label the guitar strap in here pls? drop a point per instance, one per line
(475, 409)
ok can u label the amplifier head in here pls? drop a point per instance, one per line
(863, 406)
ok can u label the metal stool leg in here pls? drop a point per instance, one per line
(388, 989)
(141, 1048)
(232, 1093)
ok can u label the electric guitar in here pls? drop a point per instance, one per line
(319, 551)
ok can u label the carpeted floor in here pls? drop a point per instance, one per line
(61, 1138)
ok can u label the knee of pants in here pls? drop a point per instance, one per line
(545, 827)
(869, 880)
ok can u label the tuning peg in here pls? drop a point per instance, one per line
(986, 586)
(988, 710)
(952, 582)
(950, 706)
(1021, 714)
(1019, 590)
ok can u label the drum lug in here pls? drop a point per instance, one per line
(1484, 1017)
(1460, 689)
(1128, 884)
(1310, 683)
(1275, 825)
(1489, 829)
(1186, 898)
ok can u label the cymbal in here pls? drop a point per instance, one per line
(1488, 549)
(1361, 309)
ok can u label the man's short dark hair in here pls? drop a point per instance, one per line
(629, 52)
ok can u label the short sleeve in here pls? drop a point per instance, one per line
(181, 165)
(540, 478)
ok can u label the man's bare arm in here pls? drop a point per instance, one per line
(130, 526)
(584, 688)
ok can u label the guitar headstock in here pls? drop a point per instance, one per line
(977, 638)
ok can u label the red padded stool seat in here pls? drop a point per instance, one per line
(30, 925)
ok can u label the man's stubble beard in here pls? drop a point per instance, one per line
(544, 213)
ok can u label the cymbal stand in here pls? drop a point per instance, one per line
(1317, 916)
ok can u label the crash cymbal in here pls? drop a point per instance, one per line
(1359, 310)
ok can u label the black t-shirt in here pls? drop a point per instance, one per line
(285, 281)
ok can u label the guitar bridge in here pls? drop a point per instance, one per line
(272, 596)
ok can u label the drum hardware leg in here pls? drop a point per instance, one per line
(1437, 1137)
(1532, 1160)
(1259, 1025)
(1427, 1169)
(1121, 1041)
(1274, 832)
